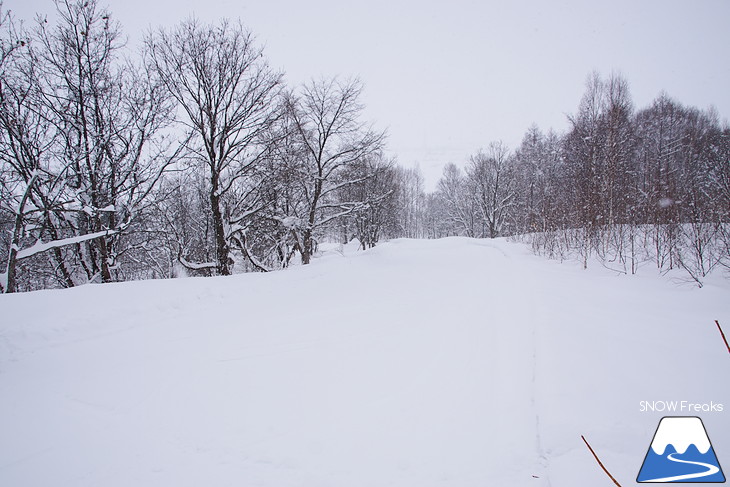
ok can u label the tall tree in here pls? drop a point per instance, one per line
(326, 117)
(583, 152)
(491, 181)
(229, 99)
(617, 154)
(89, 127)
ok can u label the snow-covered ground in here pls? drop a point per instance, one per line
(455, 362)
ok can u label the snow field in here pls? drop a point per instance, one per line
(453, 362)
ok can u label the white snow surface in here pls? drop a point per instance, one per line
(454, 362)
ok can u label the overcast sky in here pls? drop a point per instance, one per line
(447, 77)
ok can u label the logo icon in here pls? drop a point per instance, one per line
(680, 452)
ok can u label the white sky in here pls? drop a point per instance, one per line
(447, 77)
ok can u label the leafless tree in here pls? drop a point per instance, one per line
(458, 204)
(80, 135)
(22, 140)
(491, 184)
(411, 202)
(326, 117)
(228, 95)
(376, 213)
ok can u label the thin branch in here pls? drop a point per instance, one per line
(599, 461)
(242, 243)
(196, 266)
(723, 335)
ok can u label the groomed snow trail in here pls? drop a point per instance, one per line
(456, 362)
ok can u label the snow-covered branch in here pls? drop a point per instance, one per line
(196, 266)
(41, 246)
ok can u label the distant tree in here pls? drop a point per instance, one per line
(436, 220)
(660, 134)
(599, 152)
(411, 202)
(583, 151)
(491, 183)
(681, 183)
(543, 195)
(457, 203)
(376, 215)
(719, 175)
(618, 140)
(529, 180)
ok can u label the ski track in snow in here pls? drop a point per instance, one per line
(417, 363)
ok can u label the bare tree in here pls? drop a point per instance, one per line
(228, 98)
(21, 142)
(582, 149)
(376, 212)
(457, 203)
(411, 202)
(491, 183)
(80, 135)
(326, 116)
(106, 115)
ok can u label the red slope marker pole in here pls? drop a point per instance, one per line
(599, 461)
(723, 335)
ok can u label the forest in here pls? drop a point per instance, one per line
(191, 155)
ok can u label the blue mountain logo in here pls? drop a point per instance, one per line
(680, 452)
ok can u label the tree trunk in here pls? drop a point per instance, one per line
(221, 247)
(106, 274)
(306, 247)
(10, 284)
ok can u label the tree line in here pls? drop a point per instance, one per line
(193, 156)
(624, 186)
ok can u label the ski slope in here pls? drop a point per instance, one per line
(454, 362)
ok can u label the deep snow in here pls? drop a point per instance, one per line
(454, 362)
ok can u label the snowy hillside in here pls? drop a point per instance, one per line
(454, 362)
